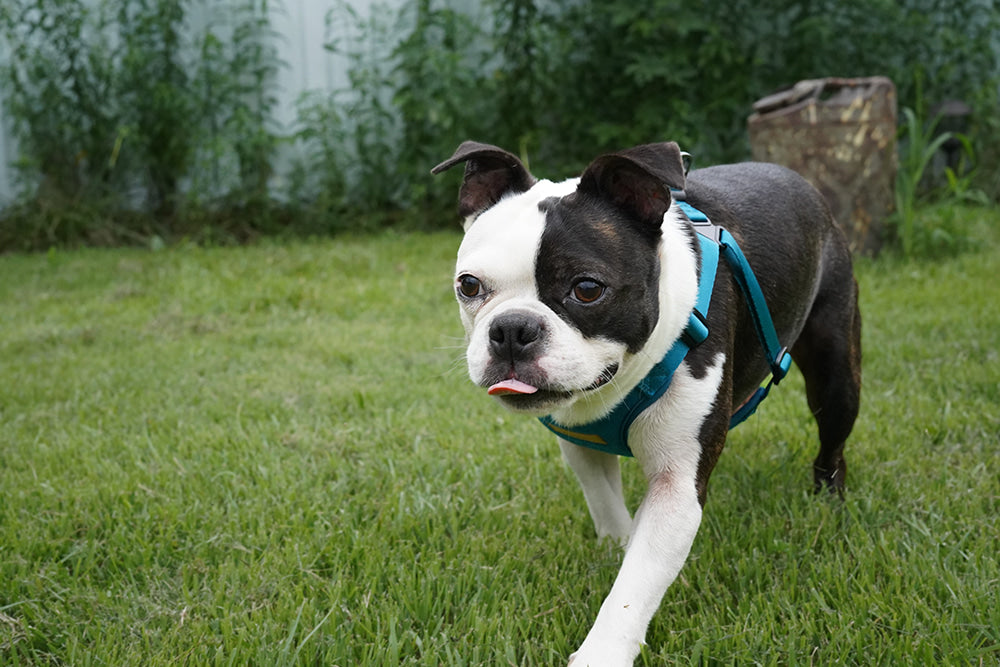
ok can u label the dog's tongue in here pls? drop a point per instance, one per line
(511, 387)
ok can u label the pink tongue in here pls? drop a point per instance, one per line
(511, 387)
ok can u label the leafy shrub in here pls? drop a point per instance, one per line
(61, 97)
(921, 143)
(561, 81)
(117, 118)
(234, 81)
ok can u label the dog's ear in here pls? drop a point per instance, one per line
(638, 179)
(490, 173)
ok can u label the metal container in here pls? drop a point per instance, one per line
(840, 134)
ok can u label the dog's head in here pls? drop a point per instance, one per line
(560, 284)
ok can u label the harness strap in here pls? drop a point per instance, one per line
(777, 356)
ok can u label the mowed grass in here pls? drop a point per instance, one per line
(272, 456)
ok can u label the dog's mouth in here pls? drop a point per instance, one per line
(606, 376)
(513, 386)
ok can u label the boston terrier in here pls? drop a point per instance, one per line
(572, 292)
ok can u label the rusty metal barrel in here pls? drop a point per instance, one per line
(840, 134)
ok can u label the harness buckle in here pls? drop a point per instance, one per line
(706, 228)
(780, 365)
(696, 331)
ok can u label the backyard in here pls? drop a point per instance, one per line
(271, 455)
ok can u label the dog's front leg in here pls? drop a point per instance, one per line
(601, 480)
(664, 529)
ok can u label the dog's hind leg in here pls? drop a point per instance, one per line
(828, 353)
(601, 480)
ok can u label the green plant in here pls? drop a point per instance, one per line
(563, 81)
(440, 95)
(157, 105)
(962, 179)
(919, 144)
(411, 90)
(117, 115)
(317, 179)
(60, 84)
(928, 219)
(236, 78)
(372, 124)
(169, 131)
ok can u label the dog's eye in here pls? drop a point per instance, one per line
(469, 286)
(588, 291)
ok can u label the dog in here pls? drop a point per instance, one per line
(570, 293)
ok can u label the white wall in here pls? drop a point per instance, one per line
(7, 156)
(7, 150)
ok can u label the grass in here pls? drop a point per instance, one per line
(271, 455)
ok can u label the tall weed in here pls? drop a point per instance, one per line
(61, 85)
(920, 144)
(928, 221)
(156, 100)
(118, 105)
(235, 79)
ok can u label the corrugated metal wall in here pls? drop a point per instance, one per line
(7, 155)
(7, 150)
(302, 27)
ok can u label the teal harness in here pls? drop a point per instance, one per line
(610, 433)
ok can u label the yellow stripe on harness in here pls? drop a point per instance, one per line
(588, 437)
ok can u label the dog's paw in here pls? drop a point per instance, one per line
(615, 534)
(613, 542)
(602, 657)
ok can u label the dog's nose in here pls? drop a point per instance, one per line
(515, 336)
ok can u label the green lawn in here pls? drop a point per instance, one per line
(272, 455)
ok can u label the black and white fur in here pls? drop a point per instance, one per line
(570, 292)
